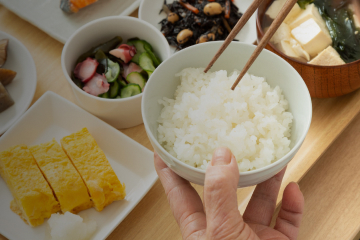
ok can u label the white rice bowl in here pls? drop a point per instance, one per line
(252, 121)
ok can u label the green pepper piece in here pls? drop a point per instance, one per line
(105, 47)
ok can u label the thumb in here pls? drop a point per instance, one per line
(221, 179)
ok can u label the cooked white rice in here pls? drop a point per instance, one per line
(70, 226)
(251, 121)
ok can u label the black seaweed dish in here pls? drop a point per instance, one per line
(190, 21)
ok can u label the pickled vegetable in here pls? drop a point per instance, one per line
(109, 68)
(113, 71)
(105, 47)
(131, 89)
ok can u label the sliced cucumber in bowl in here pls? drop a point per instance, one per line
(137, 78)
(131, 89)
(146, 63)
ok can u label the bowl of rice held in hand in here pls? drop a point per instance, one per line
(188, 113)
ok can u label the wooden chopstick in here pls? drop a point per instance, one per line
(267, 36)
(239, 25)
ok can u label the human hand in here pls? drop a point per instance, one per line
(219, 217)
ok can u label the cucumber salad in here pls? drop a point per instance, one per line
(115, 70)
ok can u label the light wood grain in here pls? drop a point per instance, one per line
(331, 190)
(152, 217)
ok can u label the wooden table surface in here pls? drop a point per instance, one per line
(326, 167)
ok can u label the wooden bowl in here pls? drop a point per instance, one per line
(322, 81)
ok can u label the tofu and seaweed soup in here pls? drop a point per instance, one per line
(319, 32)
(115, 70)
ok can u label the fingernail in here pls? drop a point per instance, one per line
(221, 156)
(296, 184)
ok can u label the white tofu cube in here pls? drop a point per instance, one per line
(275, 8)
(299, 50)
(356, 21)
(328, 57)
(312, 37)
(295, 11)
(293, 49)
(284, 47)
(310, 12)
(282, 33)
(355, 11)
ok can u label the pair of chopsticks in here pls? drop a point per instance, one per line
(267, 36)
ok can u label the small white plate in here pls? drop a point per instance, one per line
(47, 15)
(149, 11)
(22, 88)
(55, 117)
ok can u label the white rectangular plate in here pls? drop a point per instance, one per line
(55, 117)
(47, 15)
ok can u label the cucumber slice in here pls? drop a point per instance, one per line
(137, 78)
(146, 63)
(154, 58)
(113, 71)
(131, 89)
(114, 89)
(104, 95)
(149, 73)
(122, 83)
(141, 46)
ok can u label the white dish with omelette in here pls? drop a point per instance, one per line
(130, 161)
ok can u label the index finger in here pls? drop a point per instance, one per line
(184, 201)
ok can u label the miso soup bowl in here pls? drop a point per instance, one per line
(123, 112)
(322, 81)
(277, 72)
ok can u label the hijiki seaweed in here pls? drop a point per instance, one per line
(196, 21)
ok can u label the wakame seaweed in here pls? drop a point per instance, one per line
(303, 3)
(345, 37)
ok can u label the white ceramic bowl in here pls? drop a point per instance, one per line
(276, 70)
(120, 113)
(149, 12)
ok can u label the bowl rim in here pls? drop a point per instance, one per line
(260, 29)
(104, 19)
(251, 172)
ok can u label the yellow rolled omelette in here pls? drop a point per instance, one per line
(62, 176)
(90, 161)
(33, 198)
